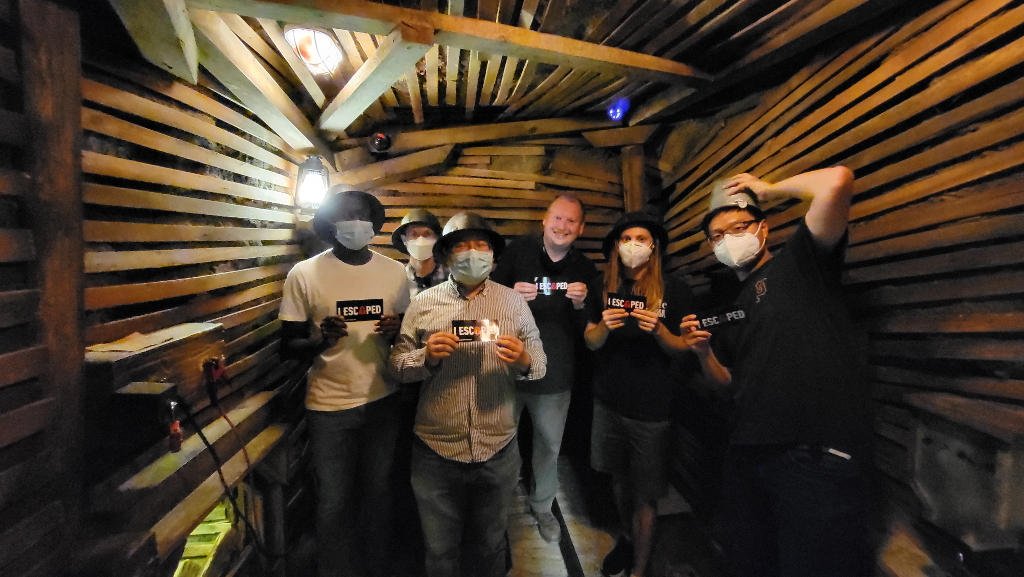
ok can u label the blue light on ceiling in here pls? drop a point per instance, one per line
(618, 109)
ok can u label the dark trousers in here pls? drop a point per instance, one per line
(464, 509)
(352, 455)
(792, 512)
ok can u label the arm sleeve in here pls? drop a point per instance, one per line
(828, 264)
(409, 355)
(402, 295)
(594, 303)
(528, 333)
(294, 304)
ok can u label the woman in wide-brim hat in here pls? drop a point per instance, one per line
(635, 380)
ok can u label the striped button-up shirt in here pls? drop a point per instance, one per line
(466, 404)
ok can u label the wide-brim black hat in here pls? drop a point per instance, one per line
(416, 216)
(326, 215)
(460, 226)
(630, 220)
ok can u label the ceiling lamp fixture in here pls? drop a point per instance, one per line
(316, 49)
(313, 183)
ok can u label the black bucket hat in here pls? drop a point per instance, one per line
(629, 220)
(325, 217)
(416, 216)
(459, 226)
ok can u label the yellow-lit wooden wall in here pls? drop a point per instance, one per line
(926, 112)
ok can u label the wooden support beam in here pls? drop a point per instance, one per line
(162, 31)
(224, 55)
(241, 28)
(394, 169)
(472, 83)
(452, 57)
(465, 134)
(412, 81)
(633, 185)
(620, 136)
(368, 44)
(404, 47)
(468, 34)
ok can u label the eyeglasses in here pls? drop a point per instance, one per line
(736, 228)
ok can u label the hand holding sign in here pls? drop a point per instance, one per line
(527, 289)
(510, 349)
(440, 345)
(333, 329)
(614, 318)
(695, 338)
(577, 292)
(648, 320)
(388, 325)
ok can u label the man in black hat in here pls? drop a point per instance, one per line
(342, 307)
(469, 340)
(551, 275)
(795, 496)
(416, 236)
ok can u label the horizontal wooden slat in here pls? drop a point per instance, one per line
(975, 349)
(950, 319)
(13, 183)
(13, 129)
(150, 110)
(28, 420)
(102, 164)
(466, 134)
(130, 198)
(249, 314)
(18, 307)
(9, 65)
(19, 480)
(99, 231)
(504, 151)
(966, 287)
(102, 123)
(239, 367)
(25, 534)
(144, 259)
(454, 199)
(1004, 388)
(561, 181)
(468, 181)
(252, 337)
(969, 259)
(202, 307)
(22, 365)
(117, 295)
(536, 215)
(16, 246)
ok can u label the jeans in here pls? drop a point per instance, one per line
(352, 454)
(793, 512)
(464, 502)
(547, 412)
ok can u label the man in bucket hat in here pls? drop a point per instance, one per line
(795, 496)
(469, 339)
(342, 308)
(416, 236)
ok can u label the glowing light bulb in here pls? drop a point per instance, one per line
(313, 183)
(316, 49)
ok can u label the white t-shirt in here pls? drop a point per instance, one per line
(355, 370)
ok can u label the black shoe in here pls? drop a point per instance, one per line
(619, 560)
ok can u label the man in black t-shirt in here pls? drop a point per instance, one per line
(794, 481)
(551, 275)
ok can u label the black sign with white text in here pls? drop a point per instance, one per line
(484, 330)
(627, 302)
(711, 321)
(361, 310)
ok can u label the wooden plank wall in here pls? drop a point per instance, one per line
(40, 344)
(511, 183)
(926, 112)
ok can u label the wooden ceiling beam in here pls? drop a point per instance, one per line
(465, 33)
(378, 174)
(163, 33)
(482, 132)
(403, 48)
(227, 58)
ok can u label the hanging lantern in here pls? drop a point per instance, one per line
(312, 183)
(316, 49)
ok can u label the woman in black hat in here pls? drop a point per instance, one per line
(633, 315)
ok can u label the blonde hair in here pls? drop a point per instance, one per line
(649, 283)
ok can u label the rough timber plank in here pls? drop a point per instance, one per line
(163, 33)
(145, 259)
(99, 231)
(407, 141)
(394, 169)
(128, 198)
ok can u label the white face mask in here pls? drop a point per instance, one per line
(472, 266)
(421, 248)
(353, 234)
(634, 254)
(738, 250)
